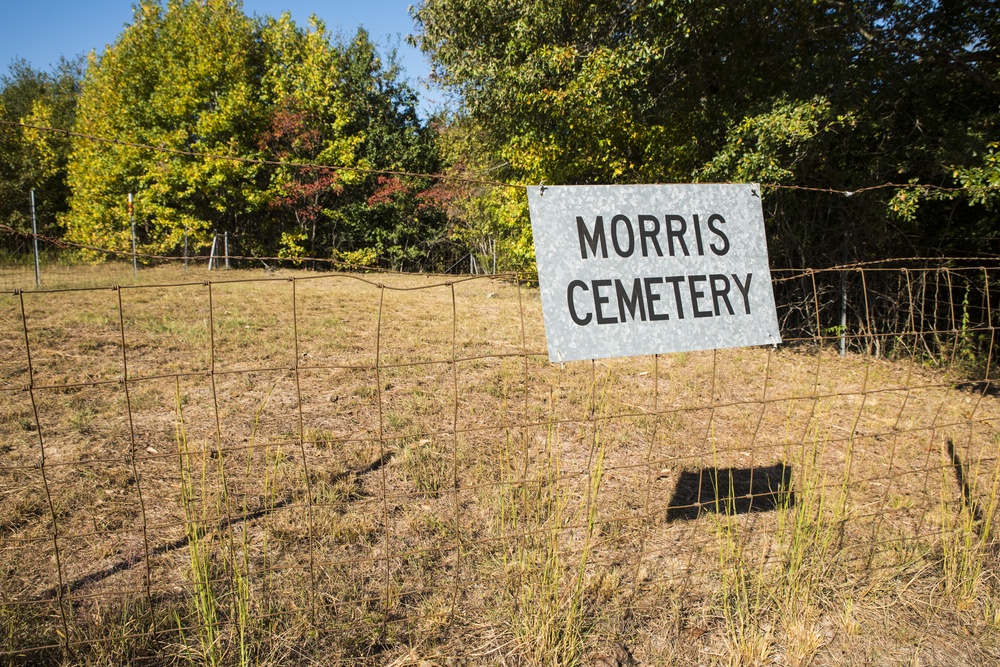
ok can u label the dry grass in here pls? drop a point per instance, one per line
(322, 470)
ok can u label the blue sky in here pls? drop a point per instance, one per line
(42, 30)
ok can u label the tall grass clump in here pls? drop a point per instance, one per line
(809, 530)
(970, 549)
(248, 632)
(770, 603)
(227, 621)
(743, 597)
(546, 589)
(199, 542)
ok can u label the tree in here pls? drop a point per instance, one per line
(397, 218)
(490, 222)
(337, 102)
(183, 78)
(825, 94)
(33, 160)
(306, 118)
(315, 114)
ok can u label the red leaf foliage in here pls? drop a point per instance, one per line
(389, 187)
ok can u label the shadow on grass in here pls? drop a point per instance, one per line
(731, 491)
(963, 484)
(129, 563)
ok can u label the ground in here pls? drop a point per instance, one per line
(301, 467)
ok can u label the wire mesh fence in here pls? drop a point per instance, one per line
(387, 469)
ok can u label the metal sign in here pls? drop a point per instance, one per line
(629, 270)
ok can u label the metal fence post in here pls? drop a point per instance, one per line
(843, 298)
(185, 249)
(131, 218)
(34, 236)
(211, 253)
(225, 247)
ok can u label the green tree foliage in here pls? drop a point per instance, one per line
(181, 78)
(402, 216)
(30, 159)
(335, 102)
(490, 222)
(200, 76)
(824, 94)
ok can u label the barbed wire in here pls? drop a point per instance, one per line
(927, 187)
(259, 161)
(778, 274)
(70, 245)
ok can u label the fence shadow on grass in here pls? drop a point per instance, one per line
(129, 563)
(731, 491)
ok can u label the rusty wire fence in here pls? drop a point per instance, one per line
(268, 467)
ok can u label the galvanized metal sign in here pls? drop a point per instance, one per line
(630, 270)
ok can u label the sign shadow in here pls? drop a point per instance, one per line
(731, 491)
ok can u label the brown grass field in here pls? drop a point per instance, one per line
(309, 468)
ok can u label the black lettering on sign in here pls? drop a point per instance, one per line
(714, 221)
(577, 284)
(643, 300)
(744, 290)
(649, 234)
(720, 290)
(697, 294)
(626, 252)
(591, 240)
(676, 234)
(677, 280)
(651, 299)
(600, 300)
(697, 234)
(631, 302)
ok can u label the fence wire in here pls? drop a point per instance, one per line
(235, 470)
(471, 180)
